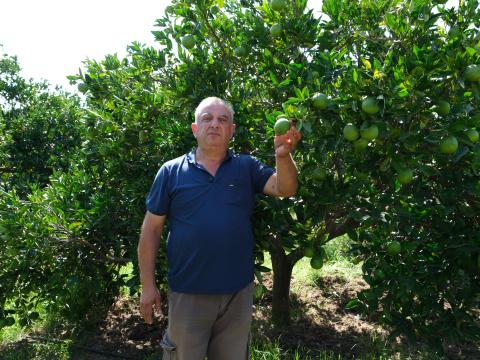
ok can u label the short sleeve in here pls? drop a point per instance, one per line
(260, 174)
(158, 199)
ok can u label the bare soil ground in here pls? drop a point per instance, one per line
(319, 322)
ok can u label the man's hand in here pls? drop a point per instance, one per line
(284, 144)
(149, 297)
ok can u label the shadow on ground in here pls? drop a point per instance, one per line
(319, 323)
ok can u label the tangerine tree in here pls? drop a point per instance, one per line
(388, 160)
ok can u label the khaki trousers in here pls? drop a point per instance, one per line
(212, 326)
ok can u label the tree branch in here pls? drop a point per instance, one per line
(335, 230)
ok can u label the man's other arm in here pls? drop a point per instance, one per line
(148, 245)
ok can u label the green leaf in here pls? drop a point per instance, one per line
(273, 78)
(385, 164)
(353, 304)
(299, 93)
(293, 214)
(390, 20)
(355, 75)
(262, 268)
(305, 92)
(271, 118)
(307, 125)
(9, 321)
(75, 225)
(402, 90)
(470, 51)
(259, 290)
(292, 100)
(34, 315)
(285, 83)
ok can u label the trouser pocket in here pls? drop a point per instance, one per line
(169, 348)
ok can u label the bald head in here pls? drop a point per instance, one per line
(213, 100)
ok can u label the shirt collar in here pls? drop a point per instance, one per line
(191, 155)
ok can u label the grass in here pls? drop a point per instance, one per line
(338, 264)
(16, 332)
(36, 351)
(15, 344)
(258, 351)
(11, 333)
(274, 351)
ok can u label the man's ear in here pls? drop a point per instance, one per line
(234, 127)
(194, 129)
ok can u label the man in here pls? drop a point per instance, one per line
(208, 197)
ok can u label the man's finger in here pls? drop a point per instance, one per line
(147, 313)
(294, 133)
(294, 136)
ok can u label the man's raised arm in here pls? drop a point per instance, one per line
(284, 182)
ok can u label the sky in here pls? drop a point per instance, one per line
(51, 38)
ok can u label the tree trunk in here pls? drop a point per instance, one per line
(282, 274)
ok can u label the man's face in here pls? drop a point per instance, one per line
(214, 127)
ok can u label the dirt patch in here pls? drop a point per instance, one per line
(319, 319)
(124, 332)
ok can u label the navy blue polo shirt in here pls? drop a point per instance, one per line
(210, 239)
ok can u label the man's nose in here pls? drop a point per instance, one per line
(215, 122)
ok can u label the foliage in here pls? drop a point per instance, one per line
(47, 259)
(39, 129)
